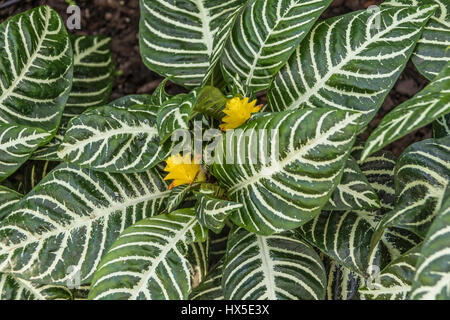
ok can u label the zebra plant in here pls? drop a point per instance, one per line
(210, 194)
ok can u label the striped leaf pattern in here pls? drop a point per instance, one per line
(36, 69)
(220, 39)
(354, 191)
(175, 114)
(76, 214)
(114, 140)
(432, 278)
(132, 100)
(425, 107)
(379, 169)
(284, 184)
(15, 288)
(177, 37)
(212, 213)
(349, 62)
(17, 143)
(441, 127)
(198, 257)
(93, 78)
(36, 72)
(157, 248)
(8, 198)
(422, 176)
(394, 281)
(393, 243)
(93, 74)
(342, 283)
(344, 236)
(211, 287)
(49, 151)
(276, 267)
(177, 195)
(431, 53)
(219, 243)
(160, 95)
(33, 172)
(264, 37)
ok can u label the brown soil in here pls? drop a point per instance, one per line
(119, 19)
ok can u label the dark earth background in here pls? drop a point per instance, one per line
(119, 19)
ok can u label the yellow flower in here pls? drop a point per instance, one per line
(237, 112)
(182, 170)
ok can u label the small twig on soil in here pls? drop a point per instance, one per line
(8, 3)
(149, 87)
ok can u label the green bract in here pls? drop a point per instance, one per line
(287, 204)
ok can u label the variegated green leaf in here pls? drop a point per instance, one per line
(432, 278)
(132, 100)
(15, 288)
(211, 287)
(286, 165)
(441, 127)
(425, 107)
(379, 170)
(394, 281)
(276, 267)
(157, 248)
(17, 143)
(212, 212)
(36, 69)
(160, 95)
(219, 243)
(114, 140)
(93, 78)
(342, 283)
(354, 191)
(220, 39)
(175, 114)
(393, 244)
(93, 74)
(350, 62)
(34, 172)
(344, 236)
(49, 151)
(198, 257)
(36, 77)
(177, 195)
(431, 53)
(8, 198)
(422, 175)
(264, 37)
(75, 214)
(176, 37)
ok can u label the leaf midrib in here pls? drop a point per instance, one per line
(350, 55)
(160, 258)
(26, 68)
(83, 221)
(293, 156)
